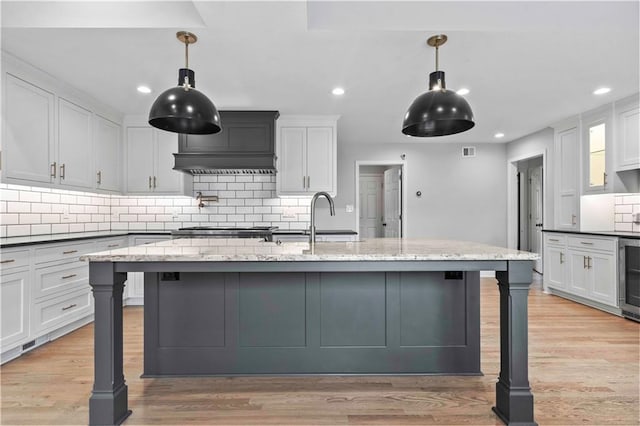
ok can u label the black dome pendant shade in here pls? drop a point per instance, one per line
(439, 111)
(183, 109)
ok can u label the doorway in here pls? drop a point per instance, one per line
(530, 206)
(380, 210)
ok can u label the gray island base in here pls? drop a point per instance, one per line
(233, 307)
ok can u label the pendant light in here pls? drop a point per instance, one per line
(183, 109)
(439, 111)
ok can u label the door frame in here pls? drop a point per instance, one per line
(512, 194)
(403, 207)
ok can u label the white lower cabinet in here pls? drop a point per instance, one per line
(45, 291)
(582, 266)
(14, 309)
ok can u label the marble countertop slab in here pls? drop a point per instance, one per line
(252, 250)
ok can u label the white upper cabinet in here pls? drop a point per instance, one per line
(567, 193)
(597, 140)
(306, 150)
(74, 145)
(150, 162)
(628, 134)
(107, 154)
(28, 132)
(50, 133)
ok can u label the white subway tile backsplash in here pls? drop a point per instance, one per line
(18, 207)
(245, 200)
(623, 208)
(625, 205)
(29, 196)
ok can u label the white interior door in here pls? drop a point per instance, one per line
(371, 206)
(535, 211)
(392, 200)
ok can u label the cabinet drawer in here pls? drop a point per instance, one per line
(55, 279)
(13, 259)
(605, 244)
(555, 239)
(111, 243)
(56, 312)
(71, 251)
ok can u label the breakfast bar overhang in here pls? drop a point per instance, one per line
(380, 306)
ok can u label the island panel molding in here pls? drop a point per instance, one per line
(305, 266)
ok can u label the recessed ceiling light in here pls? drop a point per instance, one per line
(499, 135)
(463, 91)
(338, 91)
(144, 89)
(601, 91)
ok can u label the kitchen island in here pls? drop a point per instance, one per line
(244, 306)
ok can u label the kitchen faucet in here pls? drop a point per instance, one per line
(312, 233)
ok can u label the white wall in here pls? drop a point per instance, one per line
(462, 198)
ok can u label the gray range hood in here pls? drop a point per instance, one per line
(246, 144)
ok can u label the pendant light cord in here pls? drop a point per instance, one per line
(187, 83)
(437, 47)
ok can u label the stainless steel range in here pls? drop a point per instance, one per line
(265, 232)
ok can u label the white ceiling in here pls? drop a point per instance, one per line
(527, 64)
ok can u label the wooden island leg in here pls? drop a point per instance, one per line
(514, 400)
(108, 404)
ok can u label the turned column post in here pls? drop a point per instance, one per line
(514, 400)
(108, 404)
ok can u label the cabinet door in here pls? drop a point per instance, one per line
(567, 172)
(597, 160)
(28, 136)
(291, 164)
(107, 154)
(165, 178)
(628, 138)
(578, 273)
(602, 278)
(74, 145)
(139, 159)
(320, 161)
(14, 314)
(555, 267)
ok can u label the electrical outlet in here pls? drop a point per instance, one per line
(176, 211)
(65, 212)
(288, 213)
(349, 208)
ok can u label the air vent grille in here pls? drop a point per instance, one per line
(469, 151)
(232, 171)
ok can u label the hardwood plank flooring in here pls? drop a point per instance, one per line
(584, 369)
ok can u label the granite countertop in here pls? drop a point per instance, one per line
(54, 238)
(622, 234)
(251, 250)
(318, 232)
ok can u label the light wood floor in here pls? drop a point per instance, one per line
(584, 369)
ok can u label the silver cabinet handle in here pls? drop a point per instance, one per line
(69, 307)
(589, 265)
(99, 177)
(66, 277)
(586, 243)
(154, 181)
(584, 262)
(69, 251)
(62, 170)
(8, 261)
(149, 182)
(308, 181)
(554, 239)
(604, 179)
(561, 258)
(573, 219)
(304, 181)
(113, 245)
(54, 166)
